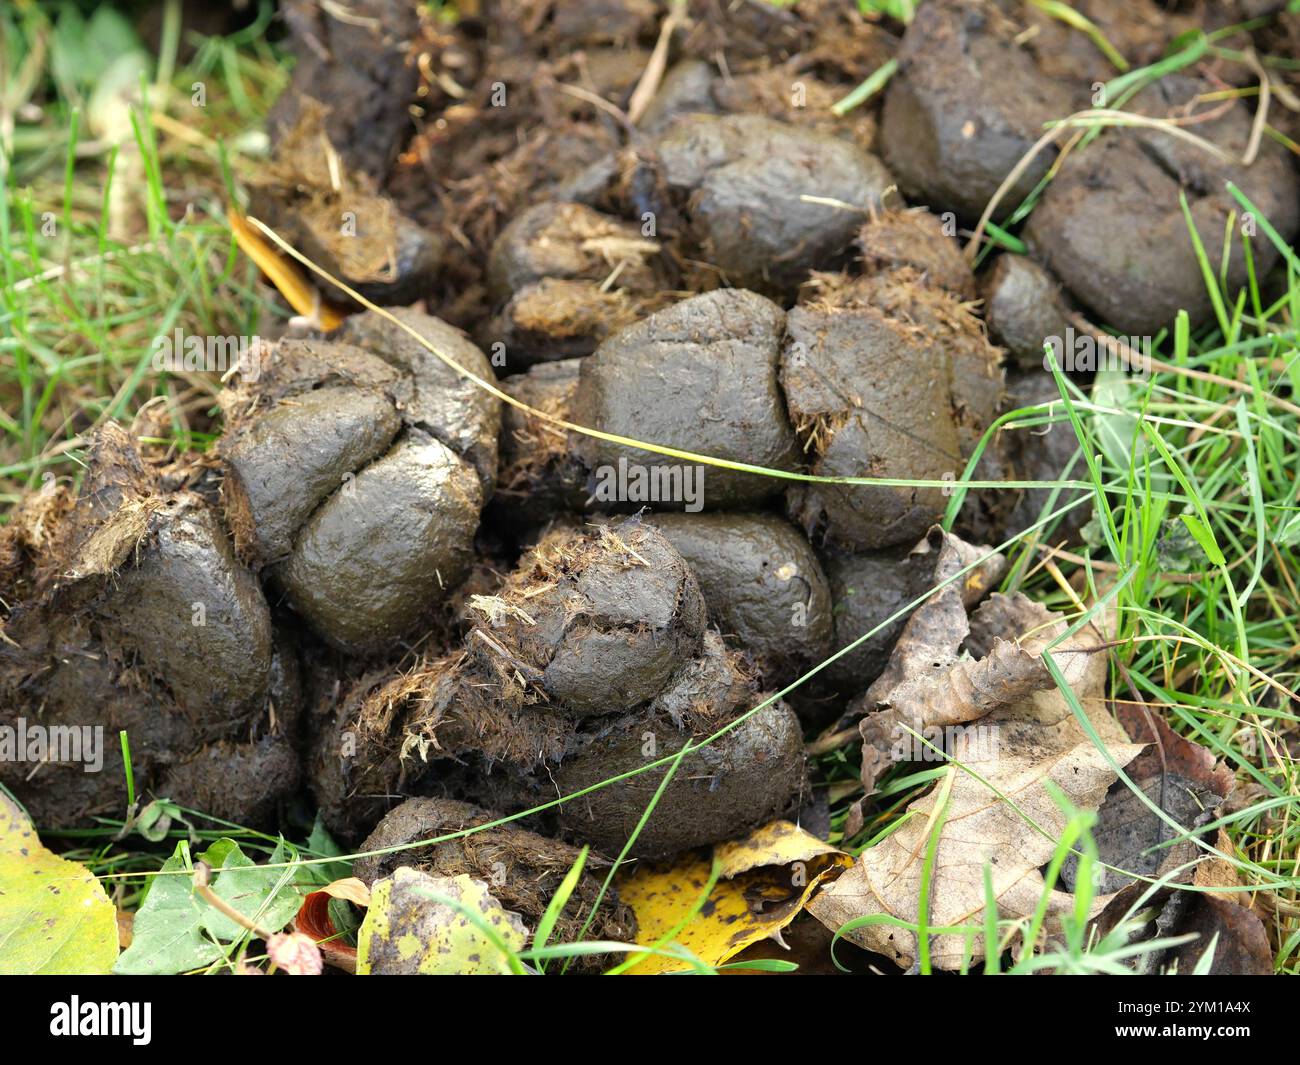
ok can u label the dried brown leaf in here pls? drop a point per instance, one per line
(999, 814)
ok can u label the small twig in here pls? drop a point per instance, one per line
(829, 201)
(348, 17)
(1144, 363)
(653, 74)
(1224, 656)
(834, 741)
(1261, 110)
(55, 272)
(1111, 567)
(202, 874)
(183, 132)
(596, 101)
(1280, 906)
(1055, 572)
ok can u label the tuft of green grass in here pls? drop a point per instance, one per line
(112, 229)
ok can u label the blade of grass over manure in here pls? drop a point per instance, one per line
(874, 82)
(938, 816)
(599, 434)
(1207, 271)
(642, 821)
(1021, 418)
(1096, 118)
(1116, 92)
(558, 901)
(1085, 25)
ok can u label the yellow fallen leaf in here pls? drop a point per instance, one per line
(55, 918)
(764, 882)
(289, 281)
(776, 843)
(437, 925)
